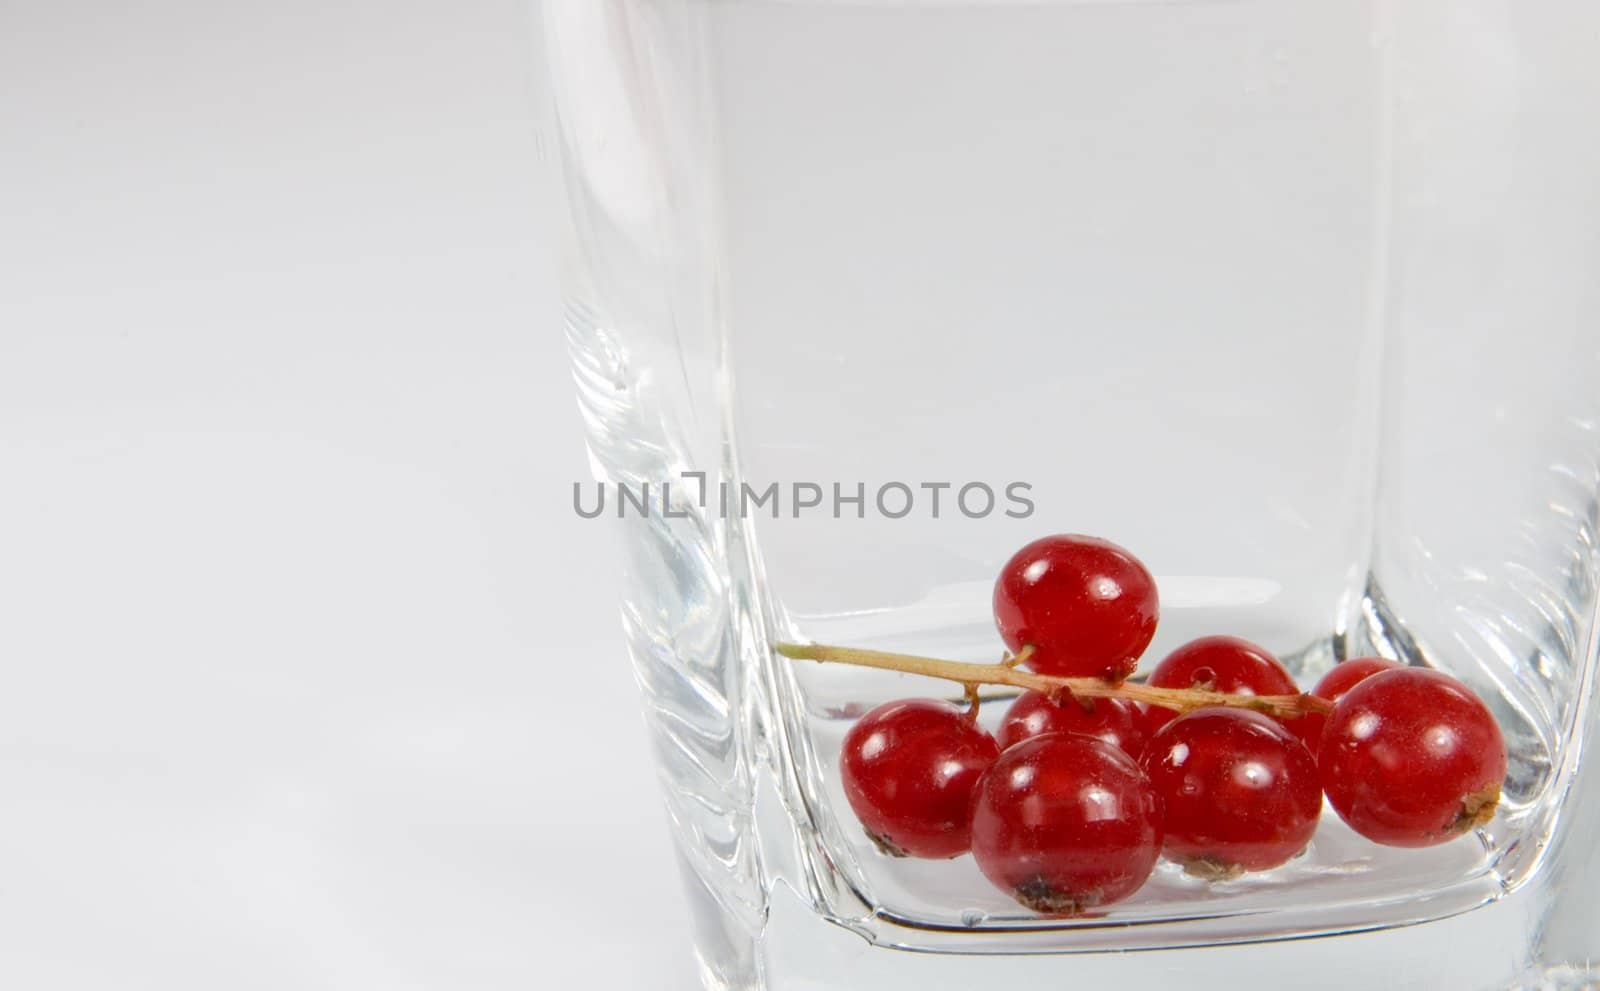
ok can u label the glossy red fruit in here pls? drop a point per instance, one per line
(1220, 664)
(1340, 679)
(1412, 757)
(908, 769)
(1065, 823)
(1115, 721)
(1086, 606)
(1240, 791)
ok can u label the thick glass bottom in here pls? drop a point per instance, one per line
(1490, 947)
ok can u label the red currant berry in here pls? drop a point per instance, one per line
(1240, 791)
(909, 768)
(1115, 721)
(1087, 607)
(1065, 823)
(1340, 679)
(1412, 757)
(1218, 664)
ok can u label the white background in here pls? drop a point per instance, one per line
(311, 677)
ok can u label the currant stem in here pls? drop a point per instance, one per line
(974, 702)
(1012, 660)
(1177, 699)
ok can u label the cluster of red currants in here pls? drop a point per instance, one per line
(1070, 804)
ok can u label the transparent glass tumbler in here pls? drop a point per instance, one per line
(1299, 300)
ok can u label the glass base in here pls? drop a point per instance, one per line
(1479, 950)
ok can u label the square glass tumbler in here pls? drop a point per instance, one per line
(1297, 299)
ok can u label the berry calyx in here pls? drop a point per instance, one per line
(1219, 664)
(1035, 713)
(1412, 757)
(1332, 687)
(1240, 791)
(908, 769)
(1087, 607)
(1065, 823)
